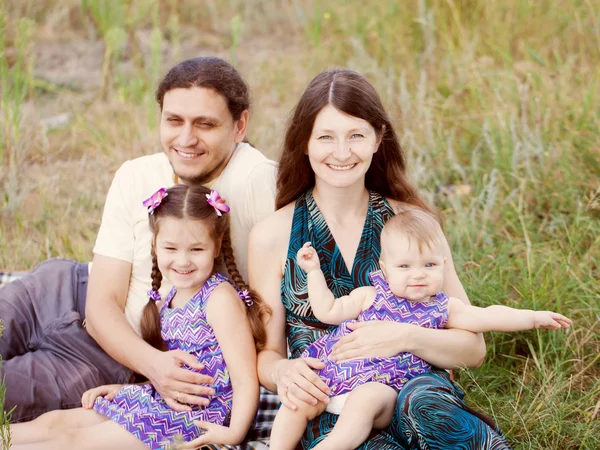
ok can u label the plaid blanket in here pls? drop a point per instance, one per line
(257, 438)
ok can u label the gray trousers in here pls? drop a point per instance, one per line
(48, 359)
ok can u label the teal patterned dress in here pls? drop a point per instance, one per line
(430, 413)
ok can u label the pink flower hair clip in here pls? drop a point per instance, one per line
(154, 200)
(154, 295)
(215, 200)
(246, 297)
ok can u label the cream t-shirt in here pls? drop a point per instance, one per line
(247, 184)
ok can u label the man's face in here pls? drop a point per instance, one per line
(198, 134)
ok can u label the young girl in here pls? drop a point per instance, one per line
(406, 289)
(205, 314)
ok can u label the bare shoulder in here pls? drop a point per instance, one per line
(274, 229)
(223, 300)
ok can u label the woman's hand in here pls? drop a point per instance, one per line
(296, 381)
(108, 392)
(372, 339)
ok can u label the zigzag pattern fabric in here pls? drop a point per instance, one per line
(308, 224)
(142, 411)
(343, 377)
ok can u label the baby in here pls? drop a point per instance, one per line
(406, 289)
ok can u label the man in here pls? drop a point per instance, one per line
(49, 359)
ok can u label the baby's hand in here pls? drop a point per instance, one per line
(108, 392)
(550, 320)
(308, 259)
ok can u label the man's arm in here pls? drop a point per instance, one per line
(105, 312)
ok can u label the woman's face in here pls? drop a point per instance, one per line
(341, 148)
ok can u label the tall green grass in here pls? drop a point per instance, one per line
(498, 106)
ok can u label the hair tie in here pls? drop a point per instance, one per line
(154, 295)
(246, 297)
(155, 200)
(215, 200)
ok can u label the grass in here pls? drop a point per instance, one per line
(5, 435)
(498, 104)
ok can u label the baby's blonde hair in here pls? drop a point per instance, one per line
(417, 225)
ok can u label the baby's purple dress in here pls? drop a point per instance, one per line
(343, 377)
(142, 411)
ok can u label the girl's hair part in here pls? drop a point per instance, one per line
(350, 93)
(190, 202)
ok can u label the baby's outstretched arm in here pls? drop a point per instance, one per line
(325, 306)
(501, 318)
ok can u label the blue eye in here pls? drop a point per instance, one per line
(430, 264)
(403, 266)
(357, 135)
(325, 138)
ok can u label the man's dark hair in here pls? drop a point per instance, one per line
(212, 73)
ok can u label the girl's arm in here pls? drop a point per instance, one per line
(293, 380)
(226, 314)
(501, 318)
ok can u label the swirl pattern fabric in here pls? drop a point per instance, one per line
(308, 224)
(434, 396)
(142, 411)
(343, 377)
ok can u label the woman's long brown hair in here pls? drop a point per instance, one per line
(350, 93)
(189, 202)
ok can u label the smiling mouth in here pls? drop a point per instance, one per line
(339, 168)
(187, 155)
(183, 272)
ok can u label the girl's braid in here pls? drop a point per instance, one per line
(258, 311)
(150, 323)
(156, 275)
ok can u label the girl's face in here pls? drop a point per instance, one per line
(341, 148)
(186, 253)
(412, 273)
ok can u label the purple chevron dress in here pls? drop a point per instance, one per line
(142, 411)
(343, 377)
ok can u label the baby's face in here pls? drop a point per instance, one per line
(412, 273)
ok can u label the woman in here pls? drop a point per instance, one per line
(341, 177)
